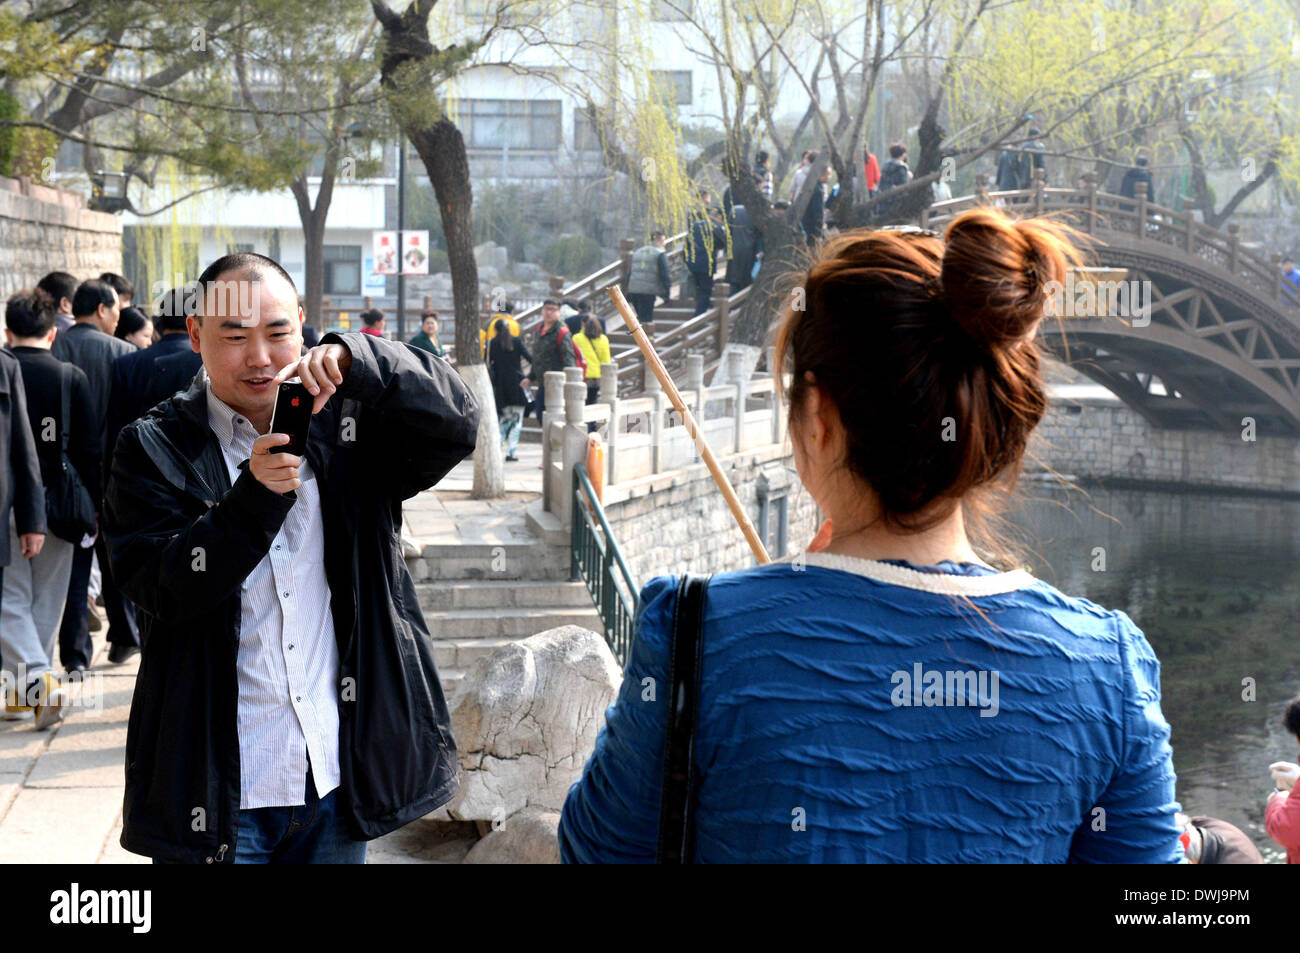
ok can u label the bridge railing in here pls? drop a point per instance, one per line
(705, 335)
(1107, 216)
(591, 286)
(644, 436)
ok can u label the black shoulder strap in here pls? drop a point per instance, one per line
(65, 404)
(676, 823)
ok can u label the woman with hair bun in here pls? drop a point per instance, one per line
(894, 696)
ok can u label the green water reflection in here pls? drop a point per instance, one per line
(1214, 582)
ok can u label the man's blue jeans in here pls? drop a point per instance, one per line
(312, 833)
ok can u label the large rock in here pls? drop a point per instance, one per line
(525, 720)
(529, 837)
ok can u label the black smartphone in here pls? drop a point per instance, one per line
(292, 415)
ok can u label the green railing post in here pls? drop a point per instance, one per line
(595, 563)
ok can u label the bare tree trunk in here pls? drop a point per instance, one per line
(441, 148)
(313, 233)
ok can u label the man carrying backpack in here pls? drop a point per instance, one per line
(553, 350)
(894, 175)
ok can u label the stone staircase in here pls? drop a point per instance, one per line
(479, 596)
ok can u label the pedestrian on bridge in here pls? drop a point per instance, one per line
(649, 278)
(891, 695)
(553, 350)
(707, 238)
(287, 707)
(594, 345)
(1290, 272)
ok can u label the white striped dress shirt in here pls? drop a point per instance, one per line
(288, 659)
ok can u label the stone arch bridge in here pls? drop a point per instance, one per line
(1221, 339)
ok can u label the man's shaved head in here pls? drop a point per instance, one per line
(222, 282)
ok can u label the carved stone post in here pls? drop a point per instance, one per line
(553, 394)
(574, 445)
(736, 374)
(609, 395)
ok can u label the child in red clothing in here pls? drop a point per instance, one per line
(1282, 814)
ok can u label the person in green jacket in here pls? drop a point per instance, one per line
(427, 339)
(594, 344)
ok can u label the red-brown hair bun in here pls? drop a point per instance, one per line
(926, 350)
(995, 272)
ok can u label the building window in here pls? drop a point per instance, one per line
(671, 9)
(343, 269)
(238, 248)
(510, 123)
(674, 83)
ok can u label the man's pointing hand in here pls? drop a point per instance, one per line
(321, 370)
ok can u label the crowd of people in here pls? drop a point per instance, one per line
(81, 362)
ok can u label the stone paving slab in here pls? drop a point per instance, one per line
(58, 825)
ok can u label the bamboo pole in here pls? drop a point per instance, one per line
(670, 390)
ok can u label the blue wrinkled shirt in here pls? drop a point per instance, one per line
(842, 719)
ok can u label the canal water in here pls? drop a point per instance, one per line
(1214, 582)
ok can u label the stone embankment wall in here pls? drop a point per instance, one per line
(44, 229)
(1105, 441)
(679, 521)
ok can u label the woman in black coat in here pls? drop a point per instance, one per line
(505, 356)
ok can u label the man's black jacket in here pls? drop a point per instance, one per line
(182, 540)
(20, 470)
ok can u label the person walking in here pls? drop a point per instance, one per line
(506, 355)
(818, 732)
(746, 249)
(813, 221)
(1137, 173)
(125, 290)
(488, 332)
(287, 708)
(65, 425)
(141, 378)
(22, 504)
(552, 351)
(594, 345)
(707, 238)
(871, 168)
(62, 288)
(427, 337)
(372, 322)
(649, 278)
(1290, 272)
(894, 175)
(90, 345)
(801, 173)
(135, 328)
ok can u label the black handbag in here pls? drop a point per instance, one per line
(676, 807)
(69, 510)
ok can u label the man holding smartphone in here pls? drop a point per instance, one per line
(287, 708)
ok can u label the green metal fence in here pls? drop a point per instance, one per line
(596, 560)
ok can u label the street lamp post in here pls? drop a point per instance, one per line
(401, 223)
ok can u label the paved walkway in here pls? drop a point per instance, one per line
(61, 789)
